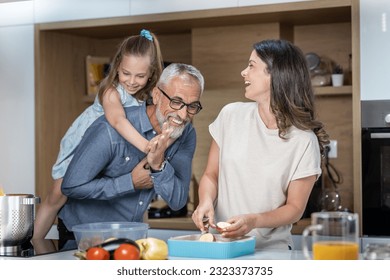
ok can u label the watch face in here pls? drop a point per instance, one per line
(162, 165)
(313, 60)
(160, 169)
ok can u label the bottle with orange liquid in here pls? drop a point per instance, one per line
(335, 236)
(335, 250)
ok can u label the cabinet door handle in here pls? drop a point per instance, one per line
(379, 135)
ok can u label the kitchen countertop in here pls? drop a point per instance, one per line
(47, 249)
(163, 234)
(258, 255)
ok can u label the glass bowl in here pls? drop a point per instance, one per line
(88, 235)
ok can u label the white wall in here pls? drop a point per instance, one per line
(139, 7)
(63, 10)
(17, 172)
(374, 48)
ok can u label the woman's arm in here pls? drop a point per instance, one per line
(208, 189)
(115, 115)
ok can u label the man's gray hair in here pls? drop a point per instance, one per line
(181, 70)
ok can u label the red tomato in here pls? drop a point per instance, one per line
(126, 252)
(97, 253)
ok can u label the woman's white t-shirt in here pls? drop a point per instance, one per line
(256, 167)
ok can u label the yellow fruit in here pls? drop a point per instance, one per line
(153, 249)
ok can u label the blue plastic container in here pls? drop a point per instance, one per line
(189, 246)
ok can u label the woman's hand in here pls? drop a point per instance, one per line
(240, 226)
(203, 217)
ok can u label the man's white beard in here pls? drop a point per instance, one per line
(177, 131)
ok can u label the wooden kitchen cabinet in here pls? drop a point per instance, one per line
(218, 42)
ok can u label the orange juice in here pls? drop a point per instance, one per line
(335, 250)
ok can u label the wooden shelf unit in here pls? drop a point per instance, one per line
(333, 91)
(216, 41)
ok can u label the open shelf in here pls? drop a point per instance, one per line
(329, 90)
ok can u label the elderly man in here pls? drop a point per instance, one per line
(111, 180)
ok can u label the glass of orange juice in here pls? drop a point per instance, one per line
(335, 236)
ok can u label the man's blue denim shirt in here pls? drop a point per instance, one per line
(98, 182)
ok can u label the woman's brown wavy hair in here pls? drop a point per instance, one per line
(292, 96)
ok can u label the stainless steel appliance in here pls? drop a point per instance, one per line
(16, 219)
(16, 223)
(17, 213)
(36, 248)
(376, 167)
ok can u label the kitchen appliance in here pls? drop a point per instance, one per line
(376, 167)
(325, 195)
(16, 220)
(330, 200)
(36, 248)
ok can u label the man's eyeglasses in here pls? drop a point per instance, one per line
(176, 104)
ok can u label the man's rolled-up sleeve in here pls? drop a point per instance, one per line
(83, 180)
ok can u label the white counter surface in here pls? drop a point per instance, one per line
(46, 246)
(165, 234)
(258, 255)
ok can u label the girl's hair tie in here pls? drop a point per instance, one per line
(145, 33)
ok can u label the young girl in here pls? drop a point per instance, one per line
(134, 71)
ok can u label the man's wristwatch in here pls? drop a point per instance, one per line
(160, 169)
